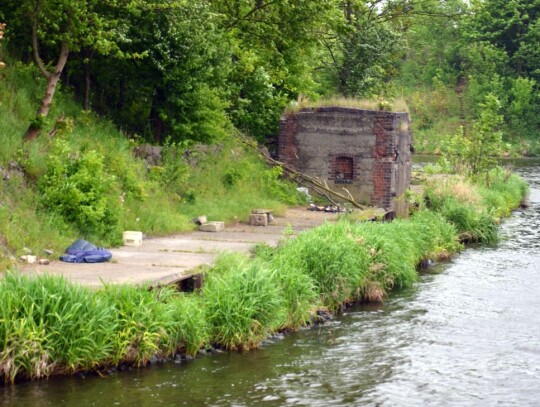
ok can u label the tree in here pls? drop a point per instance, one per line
(476, 152)
(275, 49)
(178, 89)
(512, 26)
(61, 27)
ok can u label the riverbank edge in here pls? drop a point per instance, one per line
(50, 327)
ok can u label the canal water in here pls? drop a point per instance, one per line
(468, 334)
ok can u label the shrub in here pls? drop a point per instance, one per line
(77, 187)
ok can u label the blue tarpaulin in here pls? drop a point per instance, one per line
(82, 251)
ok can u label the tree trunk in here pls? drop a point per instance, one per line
(158, 127)
(52, 80)
(348, 11)
(87, 82)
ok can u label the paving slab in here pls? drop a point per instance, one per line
(160, 259)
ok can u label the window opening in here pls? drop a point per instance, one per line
(344, 170)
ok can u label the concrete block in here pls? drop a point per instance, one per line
(212, 227)
(28, 258)
(258, 219)
(132, 238)
(261, 211)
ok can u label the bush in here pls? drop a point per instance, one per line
(77, 187)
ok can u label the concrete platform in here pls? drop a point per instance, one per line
(161, 259)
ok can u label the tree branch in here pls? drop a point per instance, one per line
(35, 49)
(258, 6)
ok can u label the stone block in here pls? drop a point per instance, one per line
(212, 227)
(258, 219)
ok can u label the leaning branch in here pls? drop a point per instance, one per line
(310, 181)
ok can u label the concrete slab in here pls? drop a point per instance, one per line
(162, 258)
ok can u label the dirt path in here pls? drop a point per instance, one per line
(166, 258)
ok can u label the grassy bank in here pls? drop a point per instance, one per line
(48, 326)
(81, 179)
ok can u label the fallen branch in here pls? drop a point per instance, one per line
(312, 182)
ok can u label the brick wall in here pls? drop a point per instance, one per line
(317, 141)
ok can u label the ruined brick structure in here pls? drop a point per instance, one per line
(367, 152)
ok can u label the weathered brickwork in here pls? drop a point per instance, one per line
(366, 152)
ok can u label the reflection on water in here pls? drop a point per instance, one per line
(467, 334)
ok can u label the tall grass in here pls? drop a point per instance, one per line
(50, 326)
(190, 324)
(145, 325)
(475, 208)
(243, 304)
(459, 203)
(228, 183)
(504, 193)
(363, 261)
(395, 105)
(331, 257)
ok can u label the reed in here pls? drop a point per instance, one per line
(504, 193)
(191, 331)
(471, 217)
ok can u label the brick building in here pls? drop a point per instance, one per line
(367, 152)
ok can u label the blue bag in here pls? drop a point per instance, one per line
(82, 251)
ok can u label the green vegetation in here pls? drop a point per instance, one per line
(475, 209)
(463, 55)
(181, 73)
(242, 301)
(48, 326)
(86, 182)
(189, 76)
(179, 70)
(396, 105)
